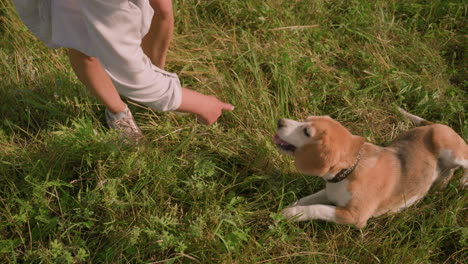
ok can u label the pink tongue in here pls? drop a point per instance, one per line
(279, 141)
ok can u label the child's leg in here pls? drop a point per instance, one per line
(90, 72)
(156, 43)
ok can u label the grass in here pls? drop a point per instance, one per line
(71, 192)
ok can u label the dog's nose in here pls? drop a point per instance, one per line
(280, 123)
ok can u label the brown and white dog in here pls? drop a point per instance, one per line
(365, 180)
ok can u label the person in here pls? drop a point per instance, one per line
(118, 48)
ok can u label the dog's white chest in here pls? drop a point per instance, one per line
(337, 193)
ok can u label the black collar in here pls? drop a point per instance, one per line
(345, 172)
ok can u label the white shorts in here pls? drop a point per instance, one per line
(73, 24)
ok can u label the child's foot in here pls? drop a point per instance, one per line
(124, 123)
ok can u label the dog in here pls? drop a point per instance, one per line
(364, 180)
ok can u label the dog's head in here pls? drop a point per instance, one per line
(319, 145)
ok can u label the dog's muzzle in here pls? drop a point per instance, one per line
(281, 144)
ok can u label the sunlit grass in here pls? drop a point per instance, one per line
(71, 191)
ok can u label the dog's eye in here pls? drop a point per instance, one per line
(306, 132)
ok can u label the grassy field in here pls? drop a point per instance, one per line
(72, 192)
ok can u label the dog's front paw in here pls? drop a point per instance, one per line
(291, 212)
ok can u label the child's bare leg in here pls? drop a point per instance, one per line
(92, 75)
(156, 43)
(207, 107)
(90, 72)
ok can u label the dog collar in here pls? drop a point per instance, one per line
(345, 172)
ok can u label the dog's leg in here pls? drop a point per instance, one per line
(464, 178)
(453, 159)
(445, 175)
(316, 198)
(309, 212)
(464, 164)
(452, 152)
(340, 215)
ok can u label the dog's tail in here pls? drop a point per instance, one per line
(418, 121)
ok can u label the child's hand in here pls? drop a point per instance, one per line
(211, 109)
(208, 108)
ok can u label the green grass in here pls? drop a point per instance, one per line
(71, 192)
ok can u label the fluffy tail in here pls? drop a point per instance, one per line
(418, 121)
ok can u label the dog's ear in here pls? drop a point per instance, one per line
(332, 147)
(318, 157)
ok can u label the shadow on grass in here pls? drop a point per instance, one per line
(27, 108)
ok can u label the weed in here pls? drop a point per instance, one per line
(72, 192)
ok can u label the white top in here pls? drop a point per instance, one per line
(110, 30)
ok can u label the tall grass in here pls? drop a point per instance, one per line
(71, 192)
